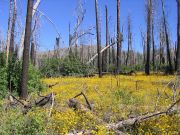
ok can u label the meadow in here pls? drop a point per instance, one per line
(113, 98)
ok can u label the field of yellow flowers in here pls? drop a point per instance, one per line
(114, 98)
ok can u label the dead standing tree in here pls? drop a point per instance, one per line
(98, 39)
(178, 39)
(12, 44)
(149, 21)
(129, 51)
(9, 31)
(25, 64)
(118, 38)
(170, 67)
(143, 38)
(107, 39)
(21, 47)
(152, 36)
(77, 32)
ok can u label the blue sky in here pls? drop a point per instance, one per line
(63, 11)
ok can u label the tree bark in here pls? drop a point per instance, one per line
(25, 64)
(149, 17)
(170, 67)
(153, 44)
(9, 31)
(129, 40)
(32, 54)
(107, 39)
(118, 38)
(11, 47)
(98, 39)
(21, 47)
(178, 39)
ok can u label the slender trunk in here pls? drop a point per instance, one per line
(107, 40)
(82, 53)
(70, 48)
(76, 50)
(129, 39)
(113, 56)
(98, 40)
(11, 48)
(170, 68)
(25, 64)
(178, 39)
(118, 38)
(32, 54)
(89, 54)
(149, 15)
(57, 47)
(110, 61)
(9, 31)
(20, 51)
(153, 45)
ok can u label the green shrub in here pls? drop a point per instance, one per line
(10, 78)
(3, 81)
(15, 123)
(69, 66)
(126, 97)
(50, 67)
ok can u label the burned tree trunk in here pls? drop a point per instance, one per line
(107, 40)
(118, 38)
(98, 39)
(9, 31)
(129, 40)
(11, 47)
(25, 64)
(178, 39)
(170, 67)
(149, 18)
(153, 44)
(144, 46)
(32, 54)
(70, 39)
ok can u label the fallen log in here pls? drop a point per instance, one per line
(76, 104)
(133, 121)
(50, 98)
(52, 85)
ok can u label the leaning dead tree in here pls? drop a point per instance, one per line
(98, 34)
(170, 67)
(101, 51)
